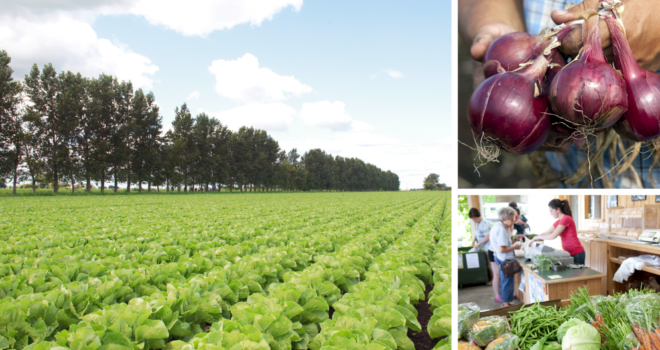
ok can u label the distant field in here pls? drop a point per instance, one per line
(218, 271)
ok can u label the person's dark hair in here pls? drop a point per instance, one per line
(513, 205)
(474, 213)
(562, 205)
(517, 210)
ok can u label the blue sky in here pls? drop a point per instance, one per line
(368, 79)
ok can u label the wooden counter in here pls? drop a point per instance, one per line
(552, 285)
(603, 255)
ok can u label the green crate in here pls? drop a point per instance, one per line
(477, 275)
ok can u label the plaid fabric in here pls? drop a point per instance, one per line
(537, 17)
(537, 13)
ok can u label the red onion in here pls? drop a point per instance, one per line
(508, 109)
(514, 49)
(588, 91)
(642, 120)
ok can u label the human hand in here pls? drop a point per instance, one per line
(482, 39)
(517, 247)
(642, 30)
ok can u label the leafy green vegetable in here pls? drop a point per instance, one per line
(581, 337)
(561, 331)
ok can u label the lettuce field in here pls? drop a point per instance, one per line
(210, 271)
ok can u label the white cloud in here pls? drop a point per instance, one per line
(394, 74)
(191, 17)
(73, 45)
(267, 116)
(193, 96)
(60, 31)
(331, 115)
(201, 17)
(243, 80)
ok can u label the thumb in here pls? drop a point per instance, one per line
(480, 44)
(573, 13)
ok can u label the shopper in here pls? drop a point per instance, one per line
(564, 228)
(521, 223)
(501, 241)
(482, 239)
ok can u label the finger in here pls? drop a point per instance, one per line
(572, 42)
(480, 44)
(573, 13)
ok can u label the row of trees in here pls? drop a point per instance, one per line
(67, 128)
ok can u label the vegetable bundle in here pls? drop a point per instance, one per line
(468, 314)
(532, 97)
(536, 322)
(487, 329)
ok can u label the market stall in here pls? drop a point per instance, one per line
(554, 285)
(611, 301)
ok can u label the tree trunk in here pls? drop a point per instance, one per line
(128, 184)
(34, 184)
(15, 177)
(102, 181)
(167, 185)
(88, 187)
(149, 186)
(185, 183)
(116, 182)
(73, 184)
(231, 188)
(140, 185)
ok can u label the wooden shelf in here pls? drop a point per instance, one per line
(644, 268)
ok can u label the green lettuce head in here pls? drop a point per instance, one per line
(581, 337)
(561, 331)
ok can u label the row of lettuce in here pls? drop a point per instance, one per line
(269, 290)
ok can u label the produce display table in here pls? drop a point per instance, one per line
(553, 285)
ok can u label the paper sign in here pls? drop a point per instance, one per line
(460, 261)
(472, 260)
(554, 277)
(539, 290)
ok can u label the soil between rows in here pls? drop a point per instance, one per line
(422, 340)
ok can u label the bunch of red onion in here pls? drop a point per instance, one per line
(531, 92)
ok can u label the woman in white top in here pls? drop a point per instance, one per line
(481, 239)
(501, 242)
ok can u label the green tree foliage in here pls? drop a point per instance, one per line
(12, 135)
(74, 130)
(432, 182)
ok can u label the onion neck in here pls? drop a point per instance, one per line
(623, 56)
(593, 48)
(536, 70)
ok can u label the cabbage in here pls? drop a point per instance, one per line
(561, 331)
(581, 337)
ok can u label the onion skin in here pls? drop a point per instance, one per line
(642, 120)
(509, 110)
(588, 91)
